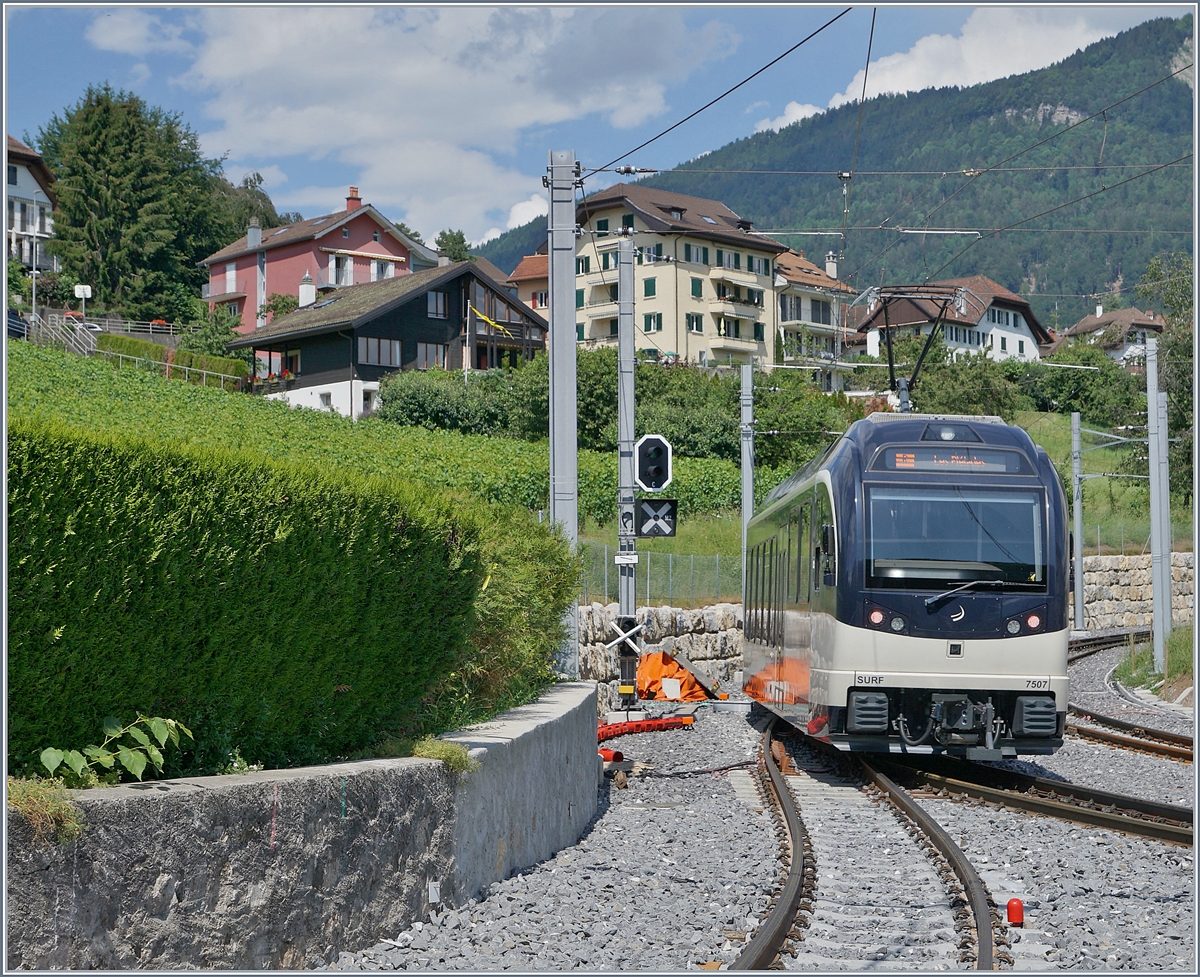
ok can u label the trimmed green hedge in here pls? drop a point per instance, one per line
(295, 612)
(146, 349)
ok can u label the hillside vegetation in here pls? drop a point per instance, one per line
(945, 132)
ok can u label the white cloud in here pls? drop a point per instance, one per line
(273, 176)
(792, 112)
(525, 211)
(425, 103)
(996, 42)
(128, 30)
(490, 235)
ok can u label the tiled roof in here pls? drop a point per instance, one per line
(488, 268)
(273, 237)
(31, 158)
(1118, 321)
(798, 270)
(656, 206)
(351, 306)
(532, 268)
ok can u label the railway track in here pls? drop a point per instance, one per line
(929, 908)
(1039, 795)
(1095, 641)
(1130, 736)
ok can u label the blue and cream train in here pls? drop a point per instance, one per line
(907, 591)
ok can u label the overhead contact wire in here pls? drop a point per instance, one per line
(862, 104)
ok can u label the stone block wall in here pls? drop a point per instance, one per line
(709, 636)
(1117, 591)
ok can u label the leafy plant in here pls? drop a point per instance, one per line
(132, 754)
(453, 755)
(47, 807)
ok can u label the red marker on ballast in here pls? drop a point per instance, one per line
(1016, 912)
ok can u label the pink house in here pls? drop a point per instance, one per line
(350, 247)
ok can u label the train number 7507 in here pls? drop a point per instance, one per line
(1037, 683)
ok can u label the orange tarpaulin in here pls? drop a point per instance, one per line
(656, 666)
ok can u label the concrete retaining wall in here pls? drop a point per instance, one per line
(286, 868)
(1117, 591)
(708, 636)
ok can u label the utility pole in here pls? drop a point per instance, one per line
(626, 502)
(1077, 511)
(1164, 491)
(747, 403)
(561, 179)
(1161, 594)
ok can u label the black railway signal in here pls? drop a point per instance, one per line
(652, 462)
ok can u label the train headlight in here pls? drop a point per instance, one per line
(1033, 622)
(897, 624)
(876, 617)
(1013, 626)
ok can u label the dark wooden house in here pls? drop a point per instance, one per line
(332, 353)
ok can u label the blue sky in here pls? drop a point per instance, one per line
(443, 116)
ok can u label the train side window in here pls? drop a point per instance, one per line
(803, 553)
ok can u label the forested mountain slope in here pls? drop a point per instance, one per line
(1064, 257)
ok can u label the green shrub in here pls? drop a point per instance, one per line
(132, 346)
(145, 349)
(290, 611)
(47, 807)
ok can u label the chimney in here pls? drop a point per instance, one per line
(800, 252)
(308, 290)
(254, 234)
(831, 265)
(443, 259)
(1099, 311)
(352, 200)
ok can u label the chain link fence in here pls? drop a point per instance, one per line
(663, 579)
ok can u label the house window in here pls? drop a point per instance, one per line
(1003, 344)
(579, 298)
(649, 288)
(608, 260)
(326, 400)
(374, 351)
(755, 296)
(345, 232)
(431, 355)
(760, 332)
(730, 328)
(822, 312)
(652, 322)
(612, 326)
(627, 221)
(292, 363)
(1021, 347)
(540, 300)
(602, 227)
(583, 265)
(343, 269)
(695, 254)
(697, 288)
(12, 175)
(695, 322)
(375, 237)
(438, 304)
(677, 215)
(41, 220)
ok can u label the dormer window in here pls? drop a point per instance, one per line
(677, 215)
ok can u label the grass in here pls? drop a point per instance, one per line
(1138, 671)
(708, 534)
(453, 755)
(47, 807)
(1116, 511)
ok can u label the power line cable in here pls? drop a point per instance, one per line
(939, 173)
(1015, 224)
(730, 91)
(862, 104)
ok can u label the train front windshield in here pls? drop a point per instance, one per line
(933, 536)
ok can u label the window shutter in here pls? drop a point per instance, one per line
(687, 252)
(658, 322)
(720, 257)
(658, 250)
(579, 331)
(333, 270)
(579, 298)
(706, 255)
(737, 260)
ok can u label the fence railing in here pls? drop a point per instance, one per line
(225, 380)
(668, 579)
(53, 331)
(117, 325)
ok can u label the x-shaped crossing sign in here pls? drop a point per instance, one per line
(657, 517)
(626, 636)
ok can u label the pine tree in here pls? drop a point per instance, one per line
(137, 202)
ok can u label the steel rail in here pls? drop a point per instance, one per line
(977, 895)
(1178, 739)
(1079, 648)
(762, 948)
(1143, 744)
(1070, 802)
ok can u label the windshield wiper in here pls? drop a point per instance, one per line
(931, 601)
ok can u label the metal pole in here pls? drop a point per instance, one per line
(1164, 489)
(1161, 600)
(747, 402)
(1077, 507)
(626, 502)
(562, 173)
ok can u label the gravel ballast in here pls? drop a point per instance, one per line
(667, 877)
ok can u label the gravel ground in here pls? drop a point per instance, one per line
(1094, 899)
(1083, 762)
(668, 870)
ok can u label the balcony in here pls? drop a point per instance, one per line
(223, 290)
(736, 308)
(738, 277)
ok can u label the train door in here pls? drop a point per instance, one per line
(823, 602)
(794, 639)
